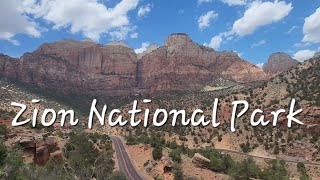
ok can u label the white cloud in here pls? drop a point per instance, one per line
(89, 17)
(215, 42)
(134, 35)
(304, 55)
(260, 43)
(311, 28)
(239, 54)
(121, 33)
(235, 2)
(181, 11)
(260, 65)
(205, 19)
(260, 14)
(292, 29)
(301, 45)
(13, 20)
(144, 10)
(204, 1)
(143, 48)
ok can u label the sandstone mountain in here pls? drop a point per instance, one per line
(74, 67)
(279, 62)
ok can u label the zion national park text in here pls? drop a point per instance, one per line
(160, 116)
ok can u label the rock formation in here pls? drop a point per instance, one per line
(43, 148)
(279, 62)
(200, 161)
(183, 64)
(316, 55)
(86, 68)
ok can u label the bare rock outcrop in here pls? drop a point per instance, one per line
(114, 69)
(200, 161)
(279, 62)
(183, 64)
(43, 148)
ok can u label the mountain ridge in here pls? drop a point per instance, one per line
(114, 69)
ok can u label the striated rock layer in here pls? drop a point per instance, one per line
(86, 68)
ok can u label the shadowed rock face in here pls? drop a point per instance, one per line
(279, 62)
(317, 55)
(70, 66)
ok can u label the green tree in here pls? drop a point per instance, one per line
(157, 153)
(175, 155)
(177, 172)
(117, 176)
(3, 130)
(3, 154)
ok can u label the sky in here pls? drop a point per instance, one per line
(252, 28)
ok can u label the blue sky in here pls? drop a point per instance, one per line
(253, 28)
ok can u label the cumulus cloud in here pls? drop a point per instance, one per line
(89, 17)
(13, 20)
(204, 1)
(215, 42)
(260, 43)
(143, 48)
(311, 28)
(144, 10)
(304, 55)
(260, 14)
(205, 19)
(235, 2)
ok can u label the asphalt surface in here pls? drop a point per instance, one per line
(129, 170)
(124, 161)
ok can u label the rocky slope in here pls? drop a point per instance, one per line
(279, 62)
(317, 55)
(74, 67)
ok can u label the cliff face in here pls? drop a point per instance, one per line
(87, 68)
(77, 67)
(183, 64)
(279, 62)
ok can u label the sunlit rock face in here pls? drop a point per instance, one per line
(114, 69)
(279, 62)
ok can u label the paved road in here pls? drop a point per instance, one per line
(287, 159)
(124, 161)
(129, 170)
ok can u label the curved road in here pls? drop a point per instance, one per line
(129, 170)
(124, 161)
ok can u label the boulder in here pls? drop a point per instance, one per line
(57, 155)
(41, 156)
(200, 161)
(51, 143)
(27, 142)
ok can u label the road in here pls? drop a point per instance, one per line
(126, 166)
(124, 160)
